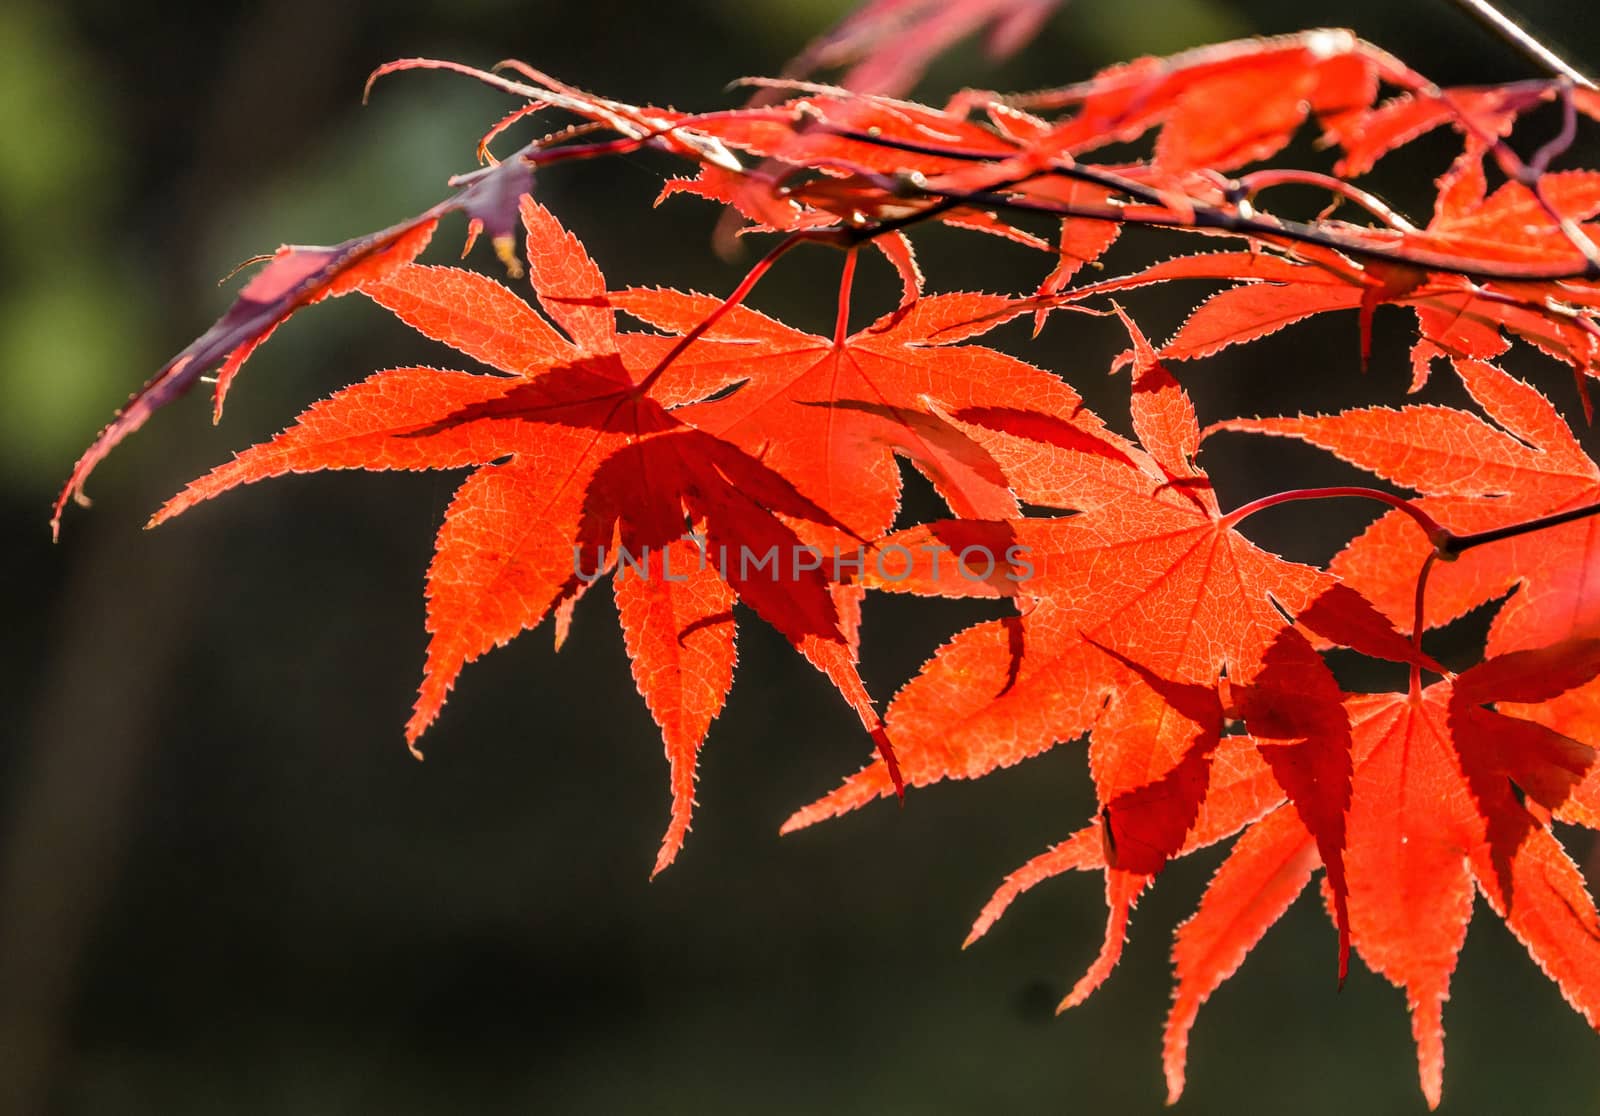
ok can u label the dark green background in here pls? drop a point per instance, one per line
(225, 886)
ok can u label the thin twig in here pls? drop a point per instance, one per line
(1498, 23)
(1453, 547)
(1204, 216)
(1261, 225)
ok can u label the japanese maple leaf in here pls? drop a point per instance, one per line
(1298, 745)
(1149, 534)
(580, 464)
(831, 414)
(1227, 104)
(1476, 474)
(1132, 611)
(1447, 797)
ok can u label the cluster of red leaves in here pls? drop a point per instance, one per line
(1144, 620)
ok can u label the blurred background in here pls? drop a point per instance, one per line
(224, 884)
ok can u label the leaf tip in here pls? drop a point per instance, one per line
(880, 737)
(73, 491)
(381, 71)
(1174, 1087)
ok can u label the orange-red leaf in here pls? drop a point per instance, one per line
(580, 469)
(1434, 815)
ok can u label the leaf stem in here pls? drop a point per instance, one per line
(1257, 181)
(1417, 622)
(1437, 535)
(752, 277)
(841, 325)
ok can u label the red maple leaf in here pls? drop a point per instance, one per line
(579, 466)
(1433, 815)
(1225, 105)
(1088, 654)
(1475, 474)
